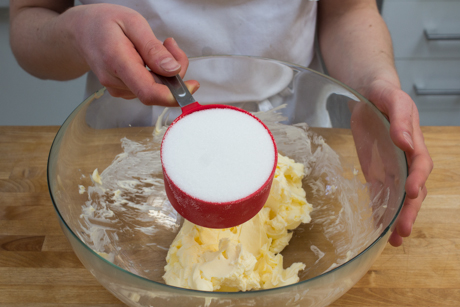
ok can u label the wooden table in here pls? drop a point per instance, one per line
(38, 267)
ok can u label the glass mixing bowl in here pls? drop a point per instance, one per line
(120, 224)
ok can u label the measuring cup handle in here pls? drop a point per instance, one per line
(178, 89)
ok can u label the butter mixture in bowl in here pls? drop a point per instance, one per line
(244, 257)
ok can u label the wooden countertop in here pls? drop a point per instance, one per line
(38, 267)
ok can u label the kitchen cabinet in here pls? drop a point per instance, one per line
(426, 41)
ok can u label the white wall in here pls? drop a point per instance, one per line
(26, 100)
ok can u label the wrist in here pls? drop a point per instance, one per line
(377, 79)
(72, 24)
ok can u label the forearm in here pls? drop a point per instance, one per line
(42, 42)
(355, 43)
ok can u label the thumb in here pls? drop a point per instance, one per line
(400, 114)
(399, 108)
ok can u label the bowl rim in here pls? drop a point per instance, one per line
(214, 294)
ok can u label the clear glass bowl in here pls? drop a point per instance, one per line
(122, 227)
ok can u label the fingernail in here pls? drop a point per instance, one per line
(169, 64)
(174, 42)
(408, 139)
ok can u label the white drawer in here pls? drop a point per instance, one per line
(407, 21)
(440, 77)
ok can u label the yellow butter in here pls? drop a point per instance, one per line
(245, 257)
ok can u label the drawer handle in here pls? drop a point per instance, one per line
(433, 36)
(420, 91)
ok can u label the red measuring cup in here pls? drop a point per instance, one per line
(211, 214)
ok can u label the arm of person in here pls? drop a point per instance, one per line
(357, 50)
(52, 39)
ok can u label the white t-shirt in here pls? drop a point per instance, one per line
(281, 30)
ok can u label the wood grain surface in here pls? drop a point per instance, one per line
(38, 267)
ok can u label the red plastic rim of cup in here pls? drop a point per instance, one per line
(217, 215)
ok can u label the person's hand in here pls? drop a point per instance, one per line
(406, 134)
(118, 44)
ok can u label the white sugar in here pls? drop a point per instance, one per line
(218, 155)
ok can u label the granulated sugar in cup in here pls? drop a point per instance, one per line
(218, 164)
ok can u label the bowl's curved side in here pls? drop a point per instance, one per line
(136, 290)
